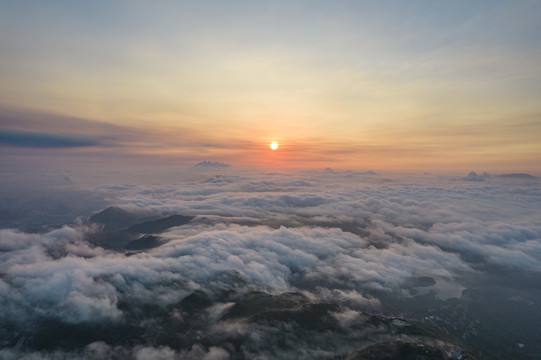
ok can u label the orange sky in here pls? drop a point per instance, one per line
(386, 86)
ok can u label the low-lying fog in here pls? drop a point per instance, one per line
(271, 265)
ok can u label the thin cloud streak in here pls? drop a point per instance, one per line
(44, 140)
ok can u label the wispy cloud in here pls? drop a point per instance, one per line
(44, 140)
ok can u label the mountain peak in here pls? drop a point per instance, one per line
(211, 164)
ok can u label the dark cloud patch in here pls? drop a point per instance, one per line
(44, 140)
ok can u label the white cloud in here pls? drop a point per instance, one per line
(342, 241)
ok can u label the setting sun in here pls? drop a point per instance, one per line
(274, 145)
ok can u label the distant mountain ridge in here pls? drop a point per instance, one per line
(123, 229)
(116, 218)
(472, 176)
(211, 164)
(517, 176)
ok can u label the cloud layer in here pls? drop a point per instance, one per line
(349, 239)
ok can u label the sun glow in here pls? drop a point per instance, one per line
(274, 145)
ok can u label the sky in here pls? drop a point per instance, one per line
(388, 85)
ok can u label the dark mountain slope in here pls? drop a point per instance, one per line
(158, 226)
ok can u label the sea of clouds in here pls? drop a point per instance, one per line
(353, 239)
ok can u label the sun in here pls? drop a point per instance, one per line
(274, 145)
